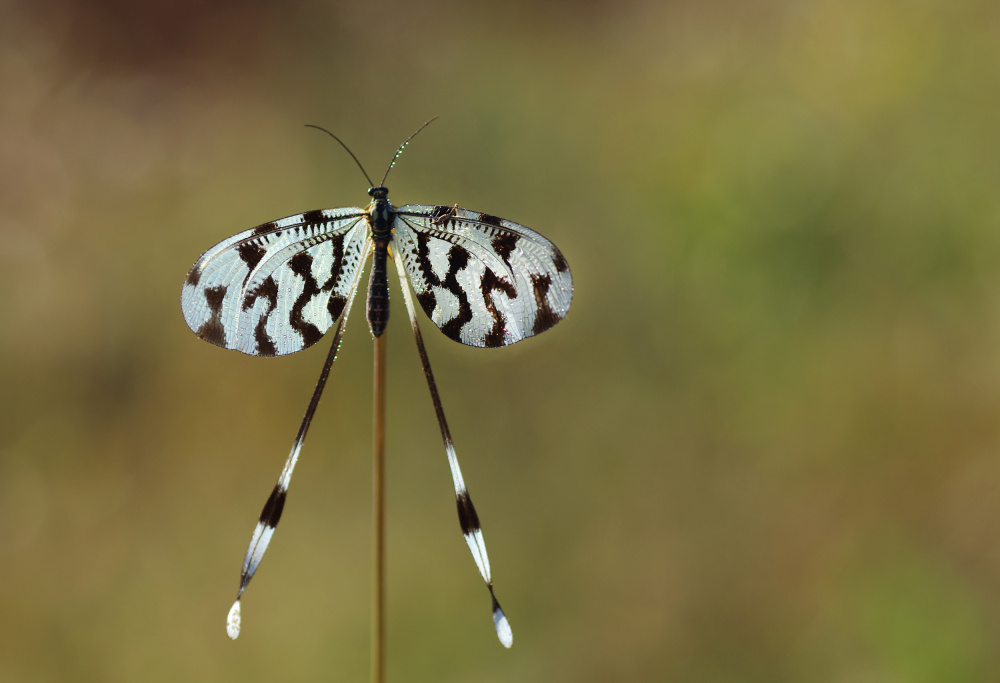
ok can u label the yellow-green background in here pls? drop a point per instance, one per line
(763, 446)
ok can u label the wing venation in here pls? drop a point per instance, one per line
(484, 281)
(277, 288)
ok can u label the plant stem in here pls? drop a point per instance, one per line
(378, 511)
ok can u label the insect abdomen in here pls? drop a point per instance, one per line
(377, 310)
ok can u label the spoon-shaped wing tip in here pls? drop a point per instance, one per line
(502, 626)
(233, 621)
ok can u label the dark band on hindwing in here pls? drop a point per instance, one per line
(467, 516)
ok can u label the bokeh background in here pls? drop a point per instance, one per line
(763, 446)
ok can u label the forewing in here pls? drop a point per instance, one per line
(277, 288)
(484, 281)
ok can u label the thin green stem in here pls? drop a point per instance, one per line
(378, 526)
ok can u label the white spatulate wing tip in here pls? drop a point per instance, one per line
(502, 626)
(233, 621)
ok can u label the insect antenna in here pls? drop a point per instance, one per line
(370, 183)
(403, 146)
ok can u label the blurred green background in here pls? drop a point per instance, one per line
(763, 446)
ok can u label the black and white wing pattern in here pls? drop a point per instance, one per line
(277, 288)
(484, 281)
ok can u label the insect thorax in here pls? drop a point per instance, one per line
(380, 213)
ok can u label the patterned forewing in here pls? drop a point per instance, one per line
(277, 288)
(484, 281)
